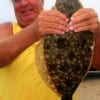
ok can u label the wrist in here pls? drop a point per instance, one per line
(96, 52)
(97, 30)
(35, 31)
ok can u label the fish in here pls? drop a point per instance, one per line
(64, 60)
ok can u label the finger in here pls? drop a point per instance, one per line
(54, 13)
(52, 31)
(84, 23)
(53, 25)
(53, 16)
(86, 28)
(56, 20)
(83, 15)
(81, 11)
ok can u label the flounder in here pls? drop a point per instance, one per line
(64, 60)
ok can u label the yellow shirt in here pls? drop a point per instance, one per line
(21, 81)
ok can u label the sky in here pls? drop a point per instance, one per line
(7, 13)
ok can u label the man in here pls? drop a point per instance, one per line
(19, 78)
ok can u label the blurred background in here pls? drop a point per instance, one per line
(7, 13)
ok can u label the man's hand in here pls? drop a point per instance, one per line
(50, 22)
(85, 19)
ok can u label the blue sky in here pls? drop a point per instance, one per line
(7, 13)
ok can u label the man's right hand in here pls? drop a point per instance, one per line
(51, 22)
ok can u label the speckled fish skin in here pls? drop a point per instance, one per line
(68, 56)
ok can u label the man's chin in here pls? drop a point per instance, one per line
(28, 18)
(28, 21)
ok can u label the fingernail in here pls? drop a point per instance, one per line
(70, 23)
(63, 32)
(76, 30)
(71, 28)
(67, 30)
(71, 18)
(67, 20)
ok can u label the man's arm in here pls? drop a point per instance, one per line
(48, 22)
(12, 45)
(96, 56)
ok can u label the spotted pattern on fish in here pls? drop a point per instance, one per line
(66, 57)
